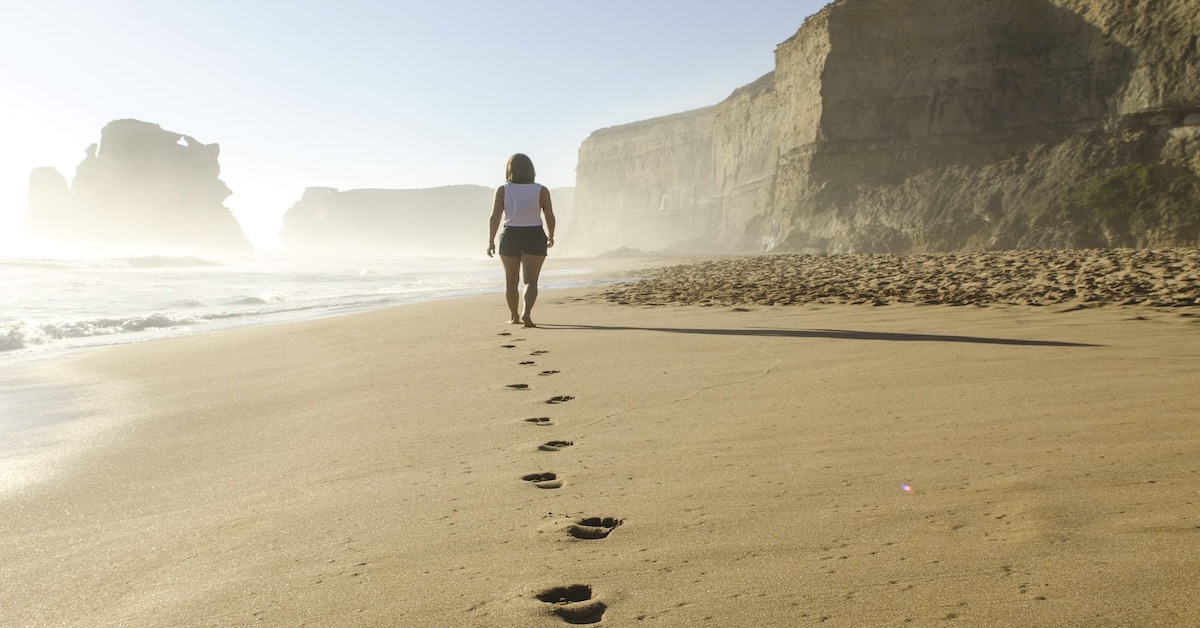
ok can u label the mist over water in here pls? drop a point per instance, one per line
(51, 303)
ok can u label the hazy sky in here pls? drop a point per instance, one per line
(359, 94)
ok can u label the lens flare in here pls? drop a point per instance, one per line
(906, 488)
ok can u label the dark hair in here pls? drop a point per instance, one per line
(519, 169)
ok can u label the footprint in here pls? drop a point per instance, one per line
(543, 480)
(555, 445)
(518, 386)
(509, 346)
(559, 399)
(574, 604)
(540, 421)
(504, 333)
(527, 363)
(593, 527)
(548, 372)
(539, 352)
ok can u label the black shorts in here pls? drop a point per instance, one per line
(517, 241)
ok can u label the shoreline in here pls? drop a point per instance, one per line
(232, 295)
(744, 466)
(567, 274)
(42, 404)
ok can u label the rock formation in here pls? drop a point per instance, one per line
(449, 220)
(925, 125)
(140, 185)
(640, 183)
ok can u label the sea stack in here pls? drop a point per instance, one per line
(140, 185)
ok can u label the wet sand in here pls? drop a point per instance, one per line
(729, 465)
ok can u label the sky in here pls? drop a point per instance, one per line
(362, 94)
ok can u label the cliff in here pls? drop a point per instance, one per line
(925, 125)
(449, 220)
(645, 179)
(139, 185)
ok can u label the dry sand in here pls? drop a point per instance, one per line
(1088, 277)
(368, 471)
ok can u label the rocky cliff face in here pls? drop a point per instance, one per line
(450, 220)
(140, 185)
(919, 125)
(647, 179)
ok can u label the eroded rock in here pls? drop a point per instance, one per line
(925, 125)
(140, 185)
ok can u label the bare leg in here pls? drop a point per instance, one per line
(531, 266)
(512, 276)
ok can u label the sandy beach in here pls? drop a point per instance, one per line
(833, 463)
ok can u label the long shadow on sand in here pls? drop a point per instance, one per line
(836, 334)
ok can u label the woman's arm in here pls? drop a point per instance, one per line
(494, 223)
(548, 210)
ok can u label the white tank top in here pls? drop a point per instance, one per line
(522, 205)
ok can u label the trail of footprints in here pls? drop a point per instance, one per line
(574, 603)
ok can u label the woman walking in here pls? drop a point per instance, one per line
(519, 207)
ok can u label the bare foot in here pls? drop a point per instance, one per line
(528, 322)
(515, 321)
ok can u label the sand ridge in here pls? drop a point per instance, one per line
(1156, 278)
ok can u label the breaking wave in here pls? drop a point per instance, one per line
(71, 303)
(12, 338)
(263, 299)
(21, 335)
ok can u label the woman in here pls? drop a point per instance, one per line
(520, 204)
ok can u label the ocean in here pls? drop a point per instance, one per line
(52, 305)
